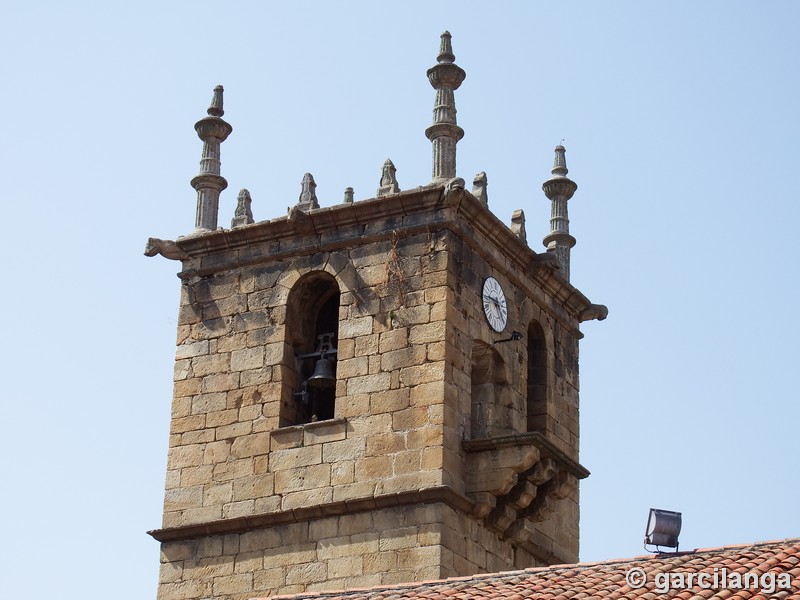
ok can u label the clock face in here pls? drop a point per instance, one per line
(494, 304)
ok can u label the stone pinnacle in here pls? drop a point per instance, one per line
(215, 110)
(445, 77)
(559, 189)
(446, 49)
(212, 130)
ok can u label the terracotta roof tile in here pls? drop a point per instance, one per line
(762, 570)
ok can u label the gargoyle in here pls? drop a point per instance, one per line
(300, 219)
(456, 183)
(166, 248)
(595, 311)
(546, 260)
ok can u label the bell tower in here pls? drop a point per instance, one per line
(377, 391)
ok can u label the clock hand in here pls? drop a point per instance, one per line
(496, 306)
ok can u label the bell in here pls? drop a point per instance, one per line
(323, 377)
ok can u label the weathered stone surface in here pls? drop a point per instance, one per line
(322, 432)
(191, 350)
(368, 384)
(254, 486)
(355, 327)
(303, 478)
(250, 445)
(403, 357)
(281, 460)
(344, 450)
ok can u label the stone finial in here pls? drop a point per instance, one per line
(560, 162)
(479, 190)
(445, 77)
(308, 194)
(559, 189)
(209, 183)
(243, 214)
(518, 224)
(446, 49)
(215, 110)
(348, 195)
(388, 183)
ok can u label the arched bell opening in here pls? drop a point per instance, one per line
(536, 402)
(312, 332)
(489, 390)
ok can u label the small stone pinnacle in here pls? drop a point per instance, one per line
(446, 49)
(215, 110)
(560, 162)
(308, 196)
(388, 184)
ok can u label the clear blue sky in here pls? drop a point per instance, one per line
(681, 125)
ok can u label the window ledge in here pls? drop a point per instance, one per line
(314, 425)
(307, 434)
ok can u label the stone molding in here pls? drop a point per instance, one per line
(410, 212)
(431, 495)
(532, 438)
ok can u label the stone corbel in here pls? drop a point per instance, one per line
(494, 472)
(543, 471)
(518, 533)
(522, 494)
(516, 480)
(557, 488)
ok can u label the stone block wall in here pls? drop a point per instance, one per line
(473, 343)
(229, 455)
(389, 489)
(469, 330)
(393, 545)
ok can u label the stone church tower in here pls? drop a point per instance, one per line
(379, 391)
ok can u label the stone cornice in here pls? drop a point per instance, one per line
(431, 495)
(406, 213)
(532, 438)
(318, 220)
(520, 257)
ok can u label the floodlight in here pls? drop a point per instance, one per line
(663, 528)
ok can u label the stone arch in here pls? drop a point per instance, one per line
(312, 319)
(489, 391)
(536, 396)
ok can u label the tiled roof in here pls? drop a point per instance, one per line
(762, 570)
